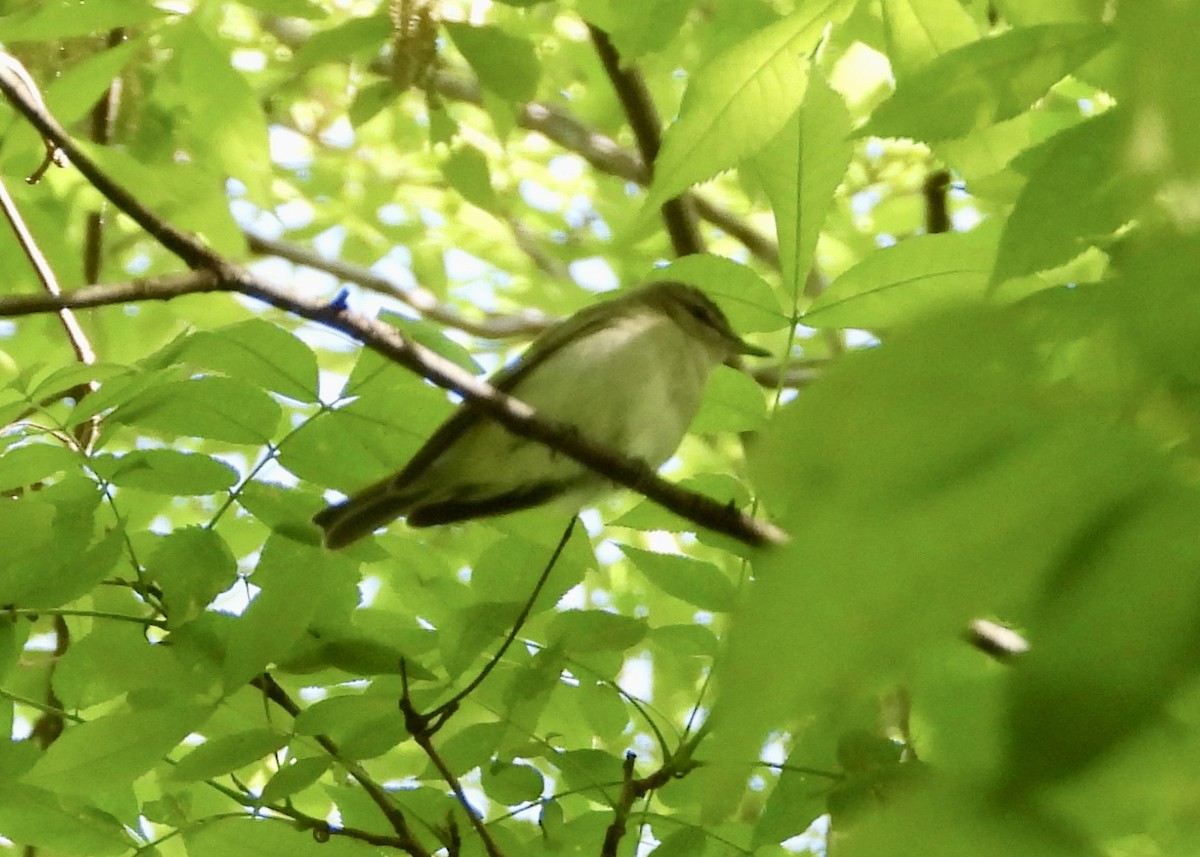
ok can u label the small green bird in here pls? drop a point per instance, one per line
(628, 372)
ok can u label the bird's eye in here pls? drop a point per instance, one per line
(700, 313)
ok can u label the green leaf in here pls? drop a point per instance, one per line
(72, 94)
(744, 296)
(919, 31)
(466, 170)
(254, 837)
(986, 81)
(685, 640)
(738, 101)
(22, 466)
(166, 471)
(39, 818)
(362, 726)
(472, 746)
(114, 750)
(285, 510)
(590, 770)
(699, 583)
(356, 36)
(1079, 694)
(596, 630)
(228, 753)
(799, 170)
(919, 482)
(217, 408)
(193, 566)
(919, 276)
(115, 659)
(295, 775)
(281, 612)
(1080, 173)
(48, 22)
(733, 402)
(506, 64)
(258, 351)
(685, 842)
(310, 10)
(512, 783)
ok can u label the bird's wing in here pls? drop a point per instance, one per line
(464, 508)
(582, 324)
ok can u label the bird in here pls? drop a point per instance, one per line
(627, 372)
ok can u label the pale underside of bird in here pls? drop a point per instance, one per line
(629, 373)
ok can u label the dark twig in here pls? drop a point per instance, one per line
(631, 790)
(677, 212)
(103, 118)
(937, 213)
(418, 726)
(276, 694)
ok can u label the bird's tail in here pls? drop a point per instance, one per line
(362, 514)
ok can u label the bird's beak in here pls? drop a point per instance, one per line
(744, 347)
(740, 347)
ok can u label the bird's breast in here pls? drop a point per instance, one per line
(635, 385)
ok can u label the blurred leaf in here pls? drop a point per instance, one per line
(355, 36)
(55, 21)
(591, 630)
(1092, 197)
(919, 31)
(506, 64)
(696, 582)
(466, 169)
(986, 81)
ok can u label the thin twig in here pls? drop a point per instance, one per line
(275, 692)
(439, 714)
(418, 726)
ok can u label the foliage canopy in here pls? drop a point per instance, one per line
(968, 230)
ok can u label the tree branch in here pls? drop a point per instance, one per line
(516, 416)
(677, 212)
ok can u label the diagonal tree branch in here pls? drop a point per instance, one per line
(514, 415)
(678, 213)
